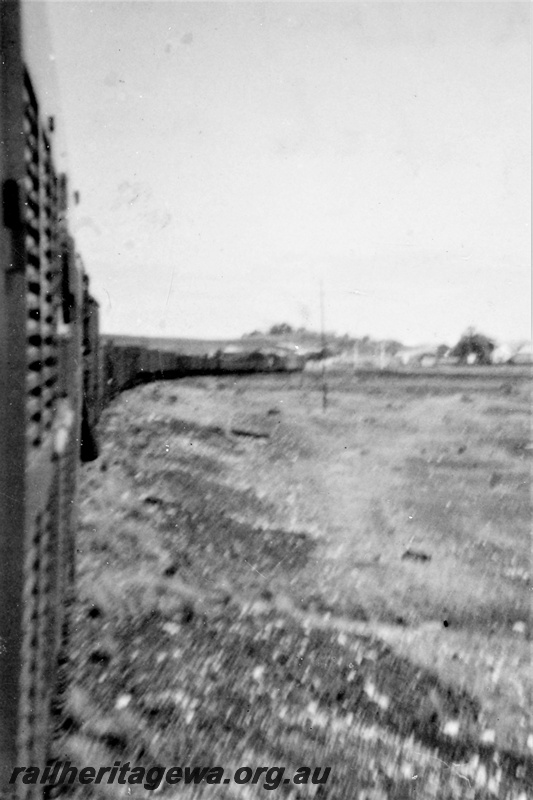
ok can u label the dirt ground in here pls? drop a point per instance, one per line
(265, 582)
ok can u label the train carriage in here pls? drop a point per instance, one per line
(91, 355)
(40, 392)
(56, 375)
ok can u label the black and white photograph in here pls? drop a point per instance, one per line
(265, 400)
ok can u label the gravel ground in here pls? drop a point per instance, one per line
(208, 630)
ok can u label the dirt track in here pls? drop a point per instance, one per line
(262, 583)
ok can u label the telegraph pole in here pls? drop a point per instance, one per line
(323, 344)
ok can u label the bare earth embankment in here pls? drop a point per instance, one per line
(265, 584)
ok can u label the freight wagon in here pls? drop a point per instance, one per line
(56, 375)
(42, 322)
(123, 366)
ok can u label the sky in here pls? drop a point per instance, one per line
(233, 157)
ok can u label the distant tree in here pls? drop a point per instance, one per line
(392, 347)
(251, 335)
(280, 330)
(476, 344)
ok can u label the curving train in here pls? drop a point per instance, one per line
(111, 367)
(56, 375)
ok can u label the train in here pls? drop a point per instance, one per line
(41, 389)
(110, 368)
(122, 366)
(57, 373)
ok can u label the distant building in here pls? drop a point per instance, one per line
(524, 354)
(422, 356)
